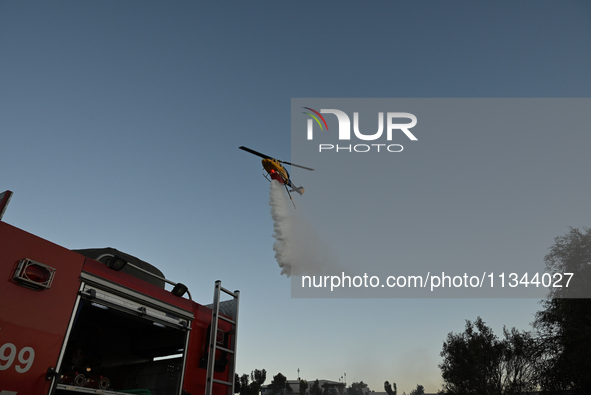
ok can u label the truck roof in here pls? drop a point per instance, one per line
(102, 254)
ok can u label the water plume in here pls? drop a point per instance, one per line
(298, 250)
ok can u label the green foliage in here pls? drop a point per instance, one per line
(258, 376)
(356, 388)
(243, 386)
(303, 387)
(316, 390)
(571, 253)
(564, 326)
(388, 388)
(557, 361)
(420, 390)
(237, 384)
(277, 386)
(476, 362)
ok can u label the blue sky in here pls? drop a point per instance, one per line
(120, 123)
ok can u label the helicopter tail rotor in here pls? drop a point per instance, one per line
(299, 190)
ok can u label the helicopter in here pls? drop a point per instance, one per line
(276, 171)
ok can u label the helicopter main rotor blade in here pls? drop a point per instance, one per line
(255, 153)
(270, 157)
(291, 164)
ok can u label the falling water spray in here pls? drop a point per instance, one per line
(298, 249)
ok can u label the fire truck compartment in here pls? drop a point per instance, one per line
(120, 342)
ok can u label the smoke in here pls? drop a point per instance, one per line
(298, 250)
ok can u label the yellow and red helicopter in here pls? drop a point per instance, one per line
(277, 172)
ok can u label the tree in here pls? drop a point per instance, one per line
(420, 390)
(243, 386)
(237, 384)
(564, 326)
(388, 388)
(258, 378)
(571, 253)
(357, 388)
(277, 386)
(303, 387)
(476, 362)
(316, 390)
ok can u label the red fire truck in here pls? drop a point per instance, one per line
(99, 321)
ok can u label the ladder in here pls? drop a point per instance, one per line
(229, 309)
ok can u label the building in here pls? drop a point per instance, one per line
(293, 387)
